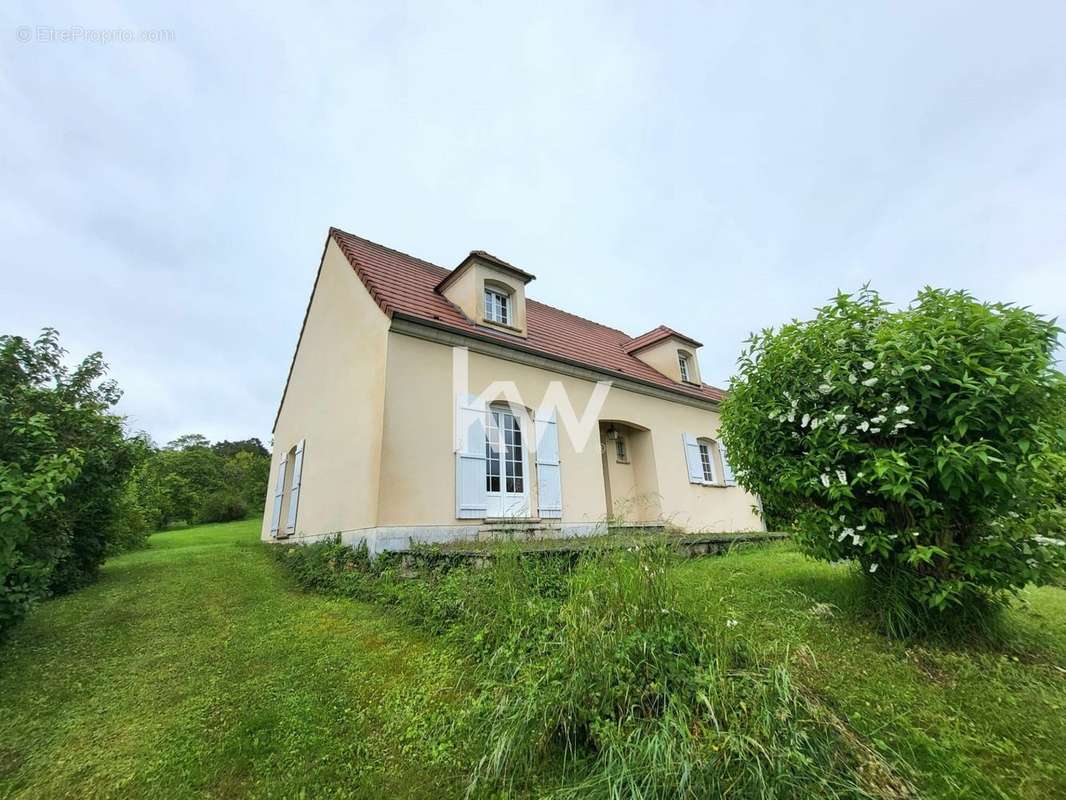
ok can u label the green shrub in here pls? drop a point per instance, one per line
(222, 506)
(130, 526)
(64, 461)
(916, 443)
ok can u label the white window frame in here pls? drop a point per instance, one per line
(683, 364)
(706, 460)
(695, 461)
(497, 306)
(508, 457)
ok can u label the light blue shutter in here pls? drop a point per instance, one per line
(294, 495)
(692, 458)
(549, 473)
(727, 471)
(279, 495)
(470, 458)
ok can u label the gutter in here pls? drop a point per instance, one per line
(409, 321)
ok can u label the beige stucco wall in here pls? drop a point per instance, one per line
(622, 484)
(417, 485)
(632, 484)
(335, 402)
(467, 290)
(462, 289)
(663, 357)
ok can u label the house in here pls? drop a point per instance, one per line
(428, 404)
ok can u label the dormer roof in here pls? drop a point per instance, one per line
(656, 335)
(489, 258)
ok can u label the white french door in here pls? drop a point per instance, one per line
(506, 473)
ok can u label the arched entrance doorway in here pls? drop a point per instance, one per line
(630, 481)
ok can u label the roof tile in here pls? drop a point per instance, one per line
(403, 284)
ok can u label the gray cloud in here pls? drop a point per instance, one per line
(717, 169)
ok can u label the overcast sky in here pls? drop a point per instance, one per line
(716, 167)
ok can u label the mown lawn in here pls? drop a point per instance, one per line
(195, 669)
(959, 720)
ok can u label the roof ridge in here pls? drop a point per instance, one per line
(658, 334)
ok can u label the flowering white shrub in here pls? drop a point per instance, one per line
(916, 442)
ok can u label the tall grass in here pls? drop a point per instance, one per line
(893, 596)
(636, 699)
(595, 681)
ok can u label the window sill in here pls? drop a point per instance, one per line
(503, 328)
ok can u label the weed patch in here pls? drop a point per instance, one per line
(595, 680)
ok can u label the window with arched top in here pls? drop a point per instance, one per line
(287, 492)
(699, 457)
(684, 362)
(706, 448)
(498, 305)
(504, 451)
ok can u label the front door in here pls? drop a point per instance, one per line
(506, 476)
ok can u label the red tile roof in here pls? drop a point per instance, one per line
(404, 285)
(657, 335)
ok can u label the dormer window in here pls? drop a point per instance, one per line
(497, 307)
(489, 291)
(683, 363)
(669, 353)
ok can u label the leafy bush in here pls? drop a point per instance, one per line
(249, 475)
(130, 526)
(222, 506)
(64, 461)
(601, 669)
(915, 442)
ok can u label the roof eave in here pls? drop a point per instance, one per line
(443, 326)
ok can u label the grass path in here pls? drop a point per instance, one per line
(193, 669)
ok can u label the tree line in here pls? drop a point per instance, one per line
(193, 480)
